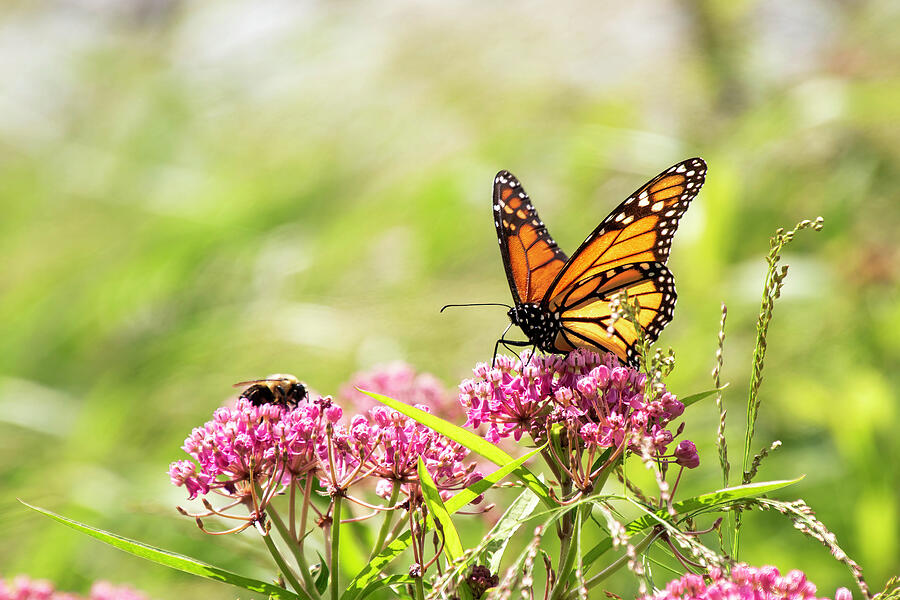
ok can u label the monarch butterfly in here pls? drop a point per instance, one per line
(562, 303)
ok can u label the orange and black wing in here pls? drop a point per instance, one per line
(585, 317)
(530, 256)
(639, 230)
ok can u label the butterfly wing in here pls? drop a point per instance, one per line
(531, 257)
(626, 252)
(639, 230)
(586, 319)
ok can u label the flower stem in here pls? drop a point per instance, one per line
(386, 524)
(282, 565)
(567, 554)
(420, 589)
(307, 490)
(291, 542)
(335, 546)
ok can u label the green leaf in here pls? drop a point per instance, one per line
(452, 544)
(694, 398)
(705, 502)
(401, 579)
(701, 502)
(175, 561)
(322, 578)
(506, 527)
(473, 442)
(375, 566)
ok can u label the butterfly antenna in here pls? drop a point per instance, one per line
(475, 304)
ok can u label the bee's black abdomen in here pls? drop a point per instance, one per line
(258, 395)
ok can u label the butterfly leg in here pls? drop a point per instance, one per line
(509, 345)
(530, 356)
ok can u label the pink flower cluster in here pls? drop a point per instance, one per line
(247, 443)
(744, 583)
(397, 442)
(594, 396)
(274, 444)
(23, 588)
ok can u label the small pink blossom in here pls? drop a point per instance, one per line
(686, 455)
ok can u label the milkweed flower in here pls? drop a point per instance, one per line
(396, 443)
(602, 402)
(743, 583)
(247, 444)
(24, 588)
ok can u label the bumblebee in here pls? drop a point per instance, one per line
(280, 389)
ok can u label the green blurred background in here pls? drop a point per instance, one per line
(199, 193)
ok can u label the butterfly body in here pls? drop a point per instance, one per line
(537, 323)
(562, 303)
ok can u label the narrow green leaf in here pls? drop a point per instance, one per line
(473, 442)
(452, 544)
(322, 578)
(375, 566)
(173, 560)
(694, 398)
(390, 580)
(703, 501)
(506, 527)
(599, 549)
(708, 501)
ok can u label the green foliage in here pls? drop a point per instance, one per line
(452, 545)
(175, 561)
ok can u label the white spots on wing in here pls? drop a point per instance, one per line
(657, 206)
(513, 183)
(627, 220)
(681, 168)
(669, 213)
(496, 208)
(523, 196)
(619, 217)
(643, 202)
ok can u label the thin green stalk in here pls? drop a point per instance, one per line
(771, 291)
(721, 441)
(335, 547)
(291, 542)
(386, 524)
(282, 565)
(420, 589)
(568, 554)
(304, 512)
(292, 507)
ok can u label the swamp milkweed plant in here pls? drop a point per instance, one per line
(556, 432)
